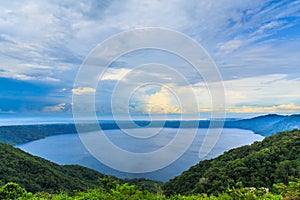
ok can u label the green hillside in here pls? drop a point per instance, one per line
(274, 160)
(264, 170)
(37, 174)
(17, 134)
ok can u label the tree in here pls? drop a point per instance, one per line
(12, 191)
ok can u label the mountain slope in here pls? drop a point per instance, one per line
(267, 125)
(264, 125)
(37, 174)
(276, 159)
(288, 123)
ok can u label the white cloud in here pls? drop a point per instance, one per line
(34, 34)
(62, 107)
(29, 61)
(115, 74)
(264, 90)
(230, 46)
(282, 108)
(267, 93)
(83, 90)
(268, 57)
(267, 26)
(162, 102)
(47, 40)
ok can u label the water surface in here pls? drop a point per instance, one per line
(68, 149)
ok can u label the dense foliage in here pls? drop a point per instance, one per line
(274, 160)
(37, 174)
(124, 191)
(264, 170)
(17, 134)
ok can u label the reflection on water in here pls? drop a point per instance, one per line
(68, 149)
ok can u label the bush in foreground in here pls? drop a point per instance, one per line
(125, 191)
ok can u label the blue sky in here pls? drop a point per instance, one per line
(254, 43)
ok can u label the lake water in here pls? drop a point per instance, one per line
(68, 149)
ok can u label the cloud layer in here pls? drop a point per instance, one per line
(255, 45)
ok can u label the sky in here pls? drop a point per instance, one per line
(255, 45)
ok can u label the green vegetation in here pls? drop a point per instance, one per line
(37, 174)
(274, 160)
(264, 170)
(124, 191)
(24, 133)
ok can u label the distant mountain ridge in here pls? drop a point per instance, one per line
(267, 124)
(264, 125)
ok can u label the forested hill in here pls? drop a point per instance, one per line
(267, 125)
(37, 174)
(276, 159)
(264, 125)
